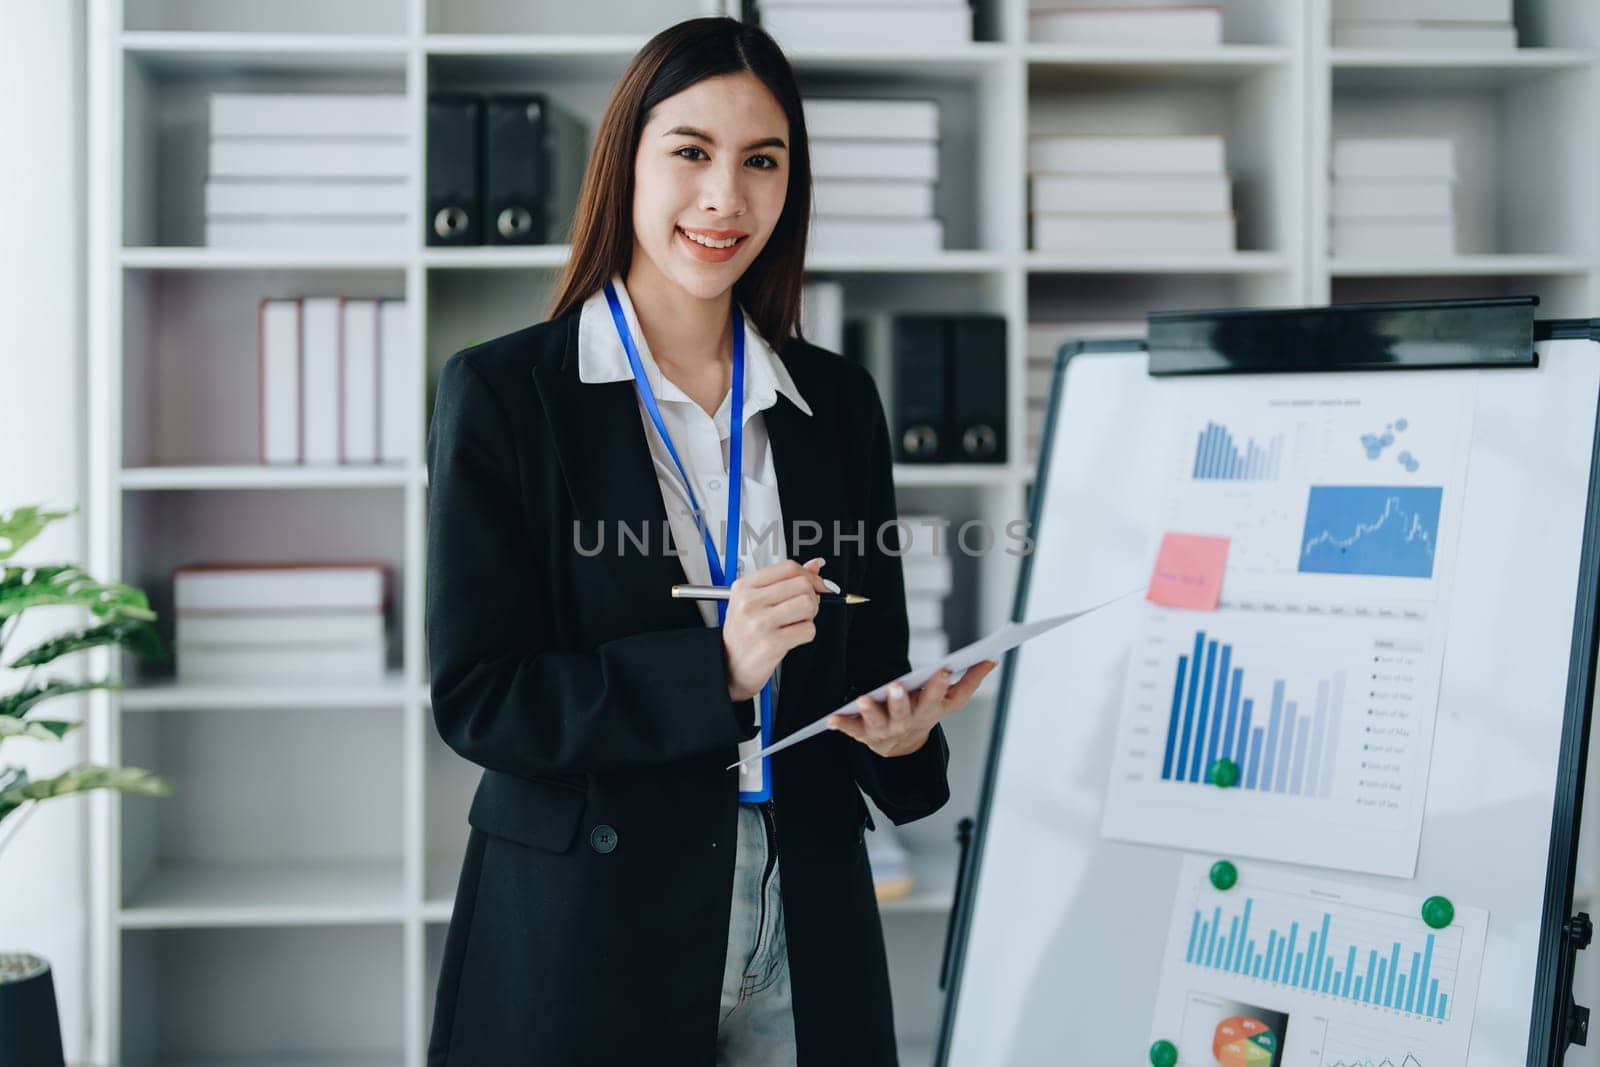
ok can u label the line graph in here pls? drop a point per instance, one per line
(1368, 529)
(1349, 1044)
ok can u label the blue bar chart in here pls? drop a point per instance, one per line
(1219, 457)
(1351, 957)
(1362, 980)
(1280, 745)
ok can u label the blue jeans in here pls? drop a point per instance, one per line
(756, 1024)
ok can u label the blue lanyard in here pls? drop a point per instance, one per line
(720, 574)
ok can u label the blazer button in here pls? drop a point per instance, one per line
(603, 839)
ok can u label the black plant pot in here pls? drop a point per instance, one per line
(30, 1029)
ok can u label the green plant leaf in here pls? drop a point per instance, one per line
(38, 729)
(19, 527)
(19, 703)
(125, 617)
(67, 584)
(136, 635)
(83, 778)
(10, 778)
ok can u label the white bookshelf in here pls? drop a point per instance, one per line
(290, 901)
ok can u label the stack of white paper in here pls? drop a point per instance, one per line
(1126, 23)
(929, 541)
(309, 171)
(1129, 194)
(1044, 341)
(991, 647)
(1463, 24)
(886, 24)
(874, 166)
(274, 622)
(1392, 197)
(822, 314)
(335, 380)
(892, 878)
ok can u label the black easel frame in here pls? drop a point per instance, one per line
(1401, 335)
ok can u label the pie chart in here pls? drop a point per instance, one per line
(1244, 1042)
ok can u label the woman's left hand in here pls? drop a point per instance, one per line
(901, 725)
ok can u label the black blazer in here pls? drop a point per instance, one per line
(591, 918)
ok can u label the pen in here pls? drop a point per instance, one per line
(722, 592)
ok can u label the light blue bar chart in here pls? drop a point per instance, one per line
(1218, 456)
(1280, 744)
(1358, 955)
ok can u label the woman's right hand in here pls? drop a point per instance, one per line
(770, 611)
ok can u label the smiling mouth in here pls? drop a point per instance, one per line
(714, 245)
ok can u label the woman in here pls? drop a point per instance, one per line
(621, 900)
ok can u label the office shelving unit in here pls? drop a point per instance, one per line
(291, 898)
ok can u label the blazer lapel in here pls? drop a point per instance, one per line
(606, 463)
(605, 460)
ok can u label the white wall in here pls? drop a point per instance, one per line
(43, 871)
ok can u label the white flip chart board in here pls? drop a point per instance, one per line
(1088, 926)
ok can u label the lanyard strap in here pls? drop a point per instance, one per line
(720, 575)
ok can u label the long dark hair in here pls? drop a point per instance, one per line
(602, 229)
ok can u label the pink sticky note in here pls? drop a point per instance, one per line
(1188, 572)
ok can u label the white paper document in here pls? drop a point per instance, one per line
(1283, 970)
(1318, 675)
(992, 647)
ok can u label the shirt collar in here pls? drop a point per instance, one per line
(601, 357)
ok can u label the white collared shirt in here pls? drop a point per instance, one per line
(703, 443)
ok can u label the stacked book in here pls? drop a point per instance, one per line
(1044, 342)
(874, 166)
(1392, 197)
(1129, 194)
(892, 878)
(309, 171)
(334, 384)
(279, 622)
(822, 314)
(887, 24)
(926, 564)
(1131, 22)
(1463, 24)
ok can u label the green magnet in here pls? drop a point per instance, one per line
(1224, 773)
(1164, 1054)
(1224, 875)
(1438, 912)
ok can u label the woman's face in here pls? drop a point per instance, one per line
(713, 161)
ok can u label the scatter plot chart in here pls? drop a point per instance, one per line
(1376, 444)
